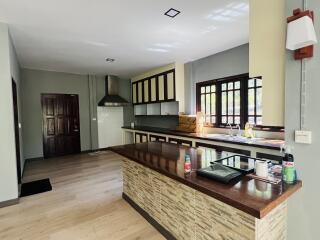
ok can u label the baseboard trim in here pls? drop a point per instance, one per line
(9, 203)
(150, 219)
(94, 150)
(33, 159)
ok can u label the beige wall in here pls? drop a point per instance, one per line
(153, 72)
(267, 55)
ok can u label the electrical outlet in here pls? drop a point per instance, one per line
(303, 137)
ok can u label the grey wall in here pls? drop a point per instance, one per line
(8, 166)
(90, 90)
(15, 73)
(124, 91)
(169, 122)
(231, 62)
(35, 82)
(304, 208)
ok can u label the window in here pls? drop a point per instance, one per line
(233, 100)
(230, 102)
(208, 102)
(255, 101)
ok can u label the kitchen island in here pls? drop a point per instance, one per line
(187, 206)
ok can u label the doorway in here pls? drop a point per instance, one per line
(16, 128)
(60, 124)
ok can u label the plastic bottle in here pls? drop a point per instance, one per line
(187, 164)
(289, 174)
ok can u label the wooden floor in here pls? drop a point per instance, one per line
(85, 203)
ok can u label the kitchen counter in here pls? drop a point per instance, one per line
(272, 144)
(187, 206)
(248, 195)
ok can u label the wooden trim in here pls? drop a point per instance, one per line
(241, 78)
(9, 203)
(150, 219)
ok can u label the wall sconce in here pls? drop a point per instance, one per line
(301, 34)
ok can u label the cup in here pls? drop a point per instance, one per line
(261, 168)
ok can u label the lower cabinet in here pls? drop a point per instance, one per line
(223, 149)
(141, 137)
(180, 142)
(156, 138)
(274, 158)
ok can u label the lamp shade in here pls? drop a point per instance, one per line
(301, 33)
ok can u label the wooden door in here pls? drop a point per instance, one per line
(61, 125)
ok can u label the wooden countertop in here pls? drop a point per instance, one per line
(272, 144)
(252, 196)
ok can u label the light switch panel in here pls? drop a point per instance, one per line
(303, 137)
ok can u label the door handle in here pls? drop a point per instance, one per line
(76, 130)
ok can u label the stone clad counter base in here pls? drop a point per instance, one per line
(189, 214)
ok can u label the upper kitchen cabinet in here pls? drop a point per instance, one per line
(164, 84)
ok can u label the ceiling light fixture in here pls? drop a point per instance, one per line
(110, 60)
(172, 12)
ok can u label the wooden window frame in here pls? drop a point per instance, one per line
(255, 87)
(243, 78)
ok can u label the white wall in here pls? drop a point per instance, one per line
(110, 121)
(8, 168)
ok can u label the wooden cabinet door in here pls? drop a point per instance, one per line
(170, 86)
(141, 137)
(146, 91)
(156, 138)
(225, 151)
(134, 93)
(153, 89)
(140, 92)
(61, 125)
(180, 142)
(161, 88)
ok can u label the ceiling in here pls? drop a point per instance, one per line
(77, 35)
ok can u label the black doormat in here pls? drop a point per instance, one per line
(35, 187)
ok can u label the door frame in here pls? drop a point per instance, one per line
(16, 128)
(43, 125)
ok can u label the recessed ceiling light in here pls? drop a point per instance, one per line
(172, 13)
(110, 60)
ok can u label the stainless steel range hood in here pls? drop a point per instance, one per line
(112, 98)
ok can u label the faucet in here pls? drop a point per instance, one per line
(239, 130)
(230, 130)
